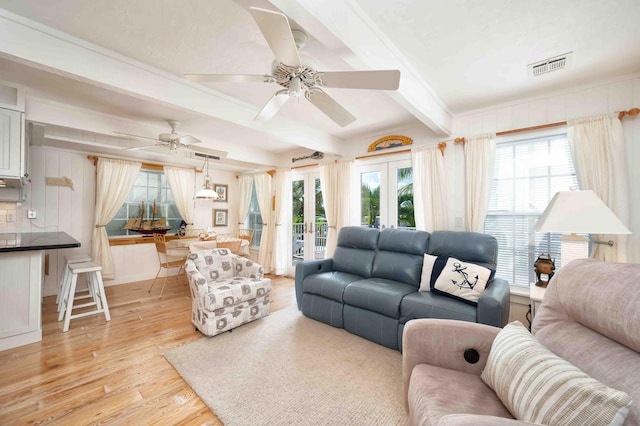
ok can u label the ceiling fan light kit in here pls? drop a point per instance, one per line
(299, 78)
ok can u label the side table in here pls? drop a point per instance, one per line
(535, 294)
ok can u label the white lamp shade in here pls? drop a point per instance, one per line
(579, 212)
(207, 193)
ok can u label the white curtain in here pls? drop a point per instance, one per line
(245, 184)
(262, 182)
(282, 217)
(431, 206)
(479, 162)
(181, 182)
(335, 182)
(114, 180)
(598, 153)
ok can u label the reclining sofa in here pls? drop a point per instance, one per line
(370, 286)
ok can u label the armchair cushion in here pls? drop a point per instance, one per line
(214, 264)
(540, 387)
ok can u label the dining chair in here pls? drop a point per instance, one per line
(246, 234)
(168, 259)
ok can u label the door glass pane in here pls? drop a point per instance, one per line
(298, 219)
(404, 198)
(370, 199)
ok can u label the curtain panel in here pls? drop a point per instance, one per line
(113, 183)
(182, 182)
(245, 186)
(335, 183)
(479, 162)
(282, 217)
(431, 205)
(598, 153)
(262, 183)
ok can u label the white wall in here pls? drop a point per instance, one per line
(72, 211)
(606, 97)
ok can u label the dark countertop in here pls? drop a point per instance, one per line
(26, 241)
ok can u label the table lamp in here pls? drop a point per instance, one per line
(578, 212)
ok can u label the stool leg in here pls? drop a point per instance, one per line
(64, 298)
(94, 291)
(72, 291)
(98, 277)
(61, 286)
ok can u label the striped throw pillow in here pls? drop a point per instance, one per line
(540, 387)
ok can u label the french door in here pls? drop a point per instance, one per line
(386, 194)
(309, 228)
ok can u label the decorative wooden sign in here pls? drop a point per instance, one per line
(391, 141)
(59, 181)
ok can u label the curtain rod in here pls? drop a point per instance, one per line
(382, 154)
(621, 115)
(147, 166)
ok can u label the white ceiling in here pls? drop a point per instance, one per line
(454, 56)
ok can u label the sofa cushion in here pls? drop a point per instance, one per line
(432, 305)
(435, 392)
(540, 387)
(355, 250)
(378, 295)
(329, 284)
(231, 291)
(462, 280)
(399, 256)
(214, 264)
(474, 247)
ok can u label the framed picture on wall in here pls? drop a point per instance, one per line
(220, 217)
(221, 190)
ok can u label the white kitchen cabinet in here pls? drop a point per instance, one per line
(20, 294)
(12, 148)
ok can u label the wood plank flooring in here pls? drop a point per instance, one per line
(111, 372)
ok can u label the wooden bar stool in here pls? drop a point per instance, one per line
(76, 258)
(96, 289)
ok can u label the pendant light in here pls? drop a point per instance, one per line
(207, 192)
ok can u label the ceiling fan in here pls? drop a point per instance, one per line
(298, 78)
(174, 142)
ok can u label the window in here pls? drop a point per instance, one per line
(254, 219)
(527, 175)
(150, 186)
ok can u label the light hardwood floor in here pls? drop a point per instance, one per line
(111, 372)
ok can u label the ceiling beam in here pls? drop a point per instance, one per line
(45, 48)
(366, 47)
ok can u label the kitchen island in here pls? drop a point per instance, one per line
(21, 276)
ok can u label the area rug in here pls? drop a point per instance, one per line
(289, 369)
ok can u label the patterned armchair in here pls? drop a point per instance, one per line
(226, 290)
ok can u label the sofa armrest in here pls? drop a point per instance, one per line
(197, 282)
(494, 304)
(442, 343)
(246, 268)
(304, 268)
(478, 420)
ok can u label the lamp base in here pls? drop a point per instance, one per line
(542, 284)
(573, 247)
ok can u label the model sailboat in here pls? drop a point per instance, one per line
(139, 224)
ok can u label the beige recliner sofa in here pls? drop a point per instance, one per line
(590, 317)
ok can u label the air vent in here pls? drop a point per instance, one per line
(550, 64)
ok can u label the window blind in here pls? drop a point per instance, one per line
(527, 174)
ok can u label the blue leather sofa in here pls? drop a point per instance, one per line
(370, 286)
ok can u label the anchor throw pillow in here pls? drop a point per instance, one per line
(461, 280)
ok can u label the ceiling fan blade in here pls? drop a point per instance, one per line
(330, 108)
(377, 80)
(277, 31)
(207, 151)
(229, 78)
(187, 140)
(273, 106)
(136, 148)
(135, 136)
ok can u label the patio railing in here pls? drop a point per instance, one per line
(299, 236)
